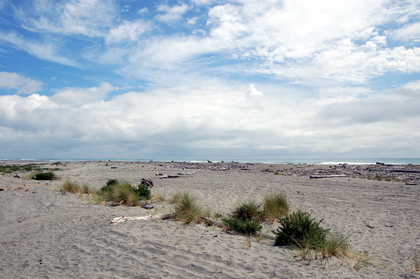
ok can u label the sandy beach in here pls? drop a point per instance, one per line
(48, 233)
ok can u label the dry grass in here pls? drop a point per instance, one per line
(69, 186)
(334, 245)
(416, 262)
(72, 187)
(158, 198)
(123, 193)
(186, 208)
(275, 206)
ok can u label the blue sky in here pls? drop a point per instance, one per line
(200, 79)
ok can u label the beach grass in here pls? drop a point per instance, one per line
(275, 206)
(416, 261)
(301, 231)
(335, 244)
(158, 198)
(186, 208)
(70, 186)
(120, 192)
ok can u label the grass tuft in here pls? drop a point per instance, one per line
(186, 208)
(247, 211)
(299, 229)
(334, 245)
(70, 186)
(275, 206)
(416, 260)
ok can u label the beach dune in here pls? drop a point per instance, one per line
(48, 233)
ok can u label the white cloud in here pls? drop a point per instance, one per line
(213, 116)
(143, 10)
(414, 85)
(46, 50)
(173, 13)
(127, 31)
(87, 18)
(22, 84)
(408, 32)
(252, 91)
(82, 96)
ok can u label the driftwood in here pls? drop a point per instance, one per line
(148, 217)
(213, 222)
(404, 170)
(147, 182)
(316, 176)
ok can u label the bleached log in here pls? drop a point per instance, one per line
(148, 217)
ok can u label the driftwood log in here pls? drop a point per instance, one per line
(123, 219)
(316, 176)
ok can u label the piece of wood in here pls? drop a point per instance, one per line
(316, 176)
(148, 217)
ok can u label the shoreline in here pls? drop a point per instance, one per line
(407, 173)
(297, 161)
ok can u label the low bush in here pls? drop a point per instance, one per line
(44, 176)
(245, 219)
(275, 206)
(299, 229)
(243, 227)
(143, 192)
(247, 211)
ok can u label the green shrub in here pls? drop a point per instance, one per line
(143, 192)
(44, 176)
(247, 211)
(245, 219)
(186, 208)
(14, 168)
(275, 206)
(299, 229)
(243, 227)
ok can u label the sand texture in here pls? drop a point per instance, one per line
(48, 233)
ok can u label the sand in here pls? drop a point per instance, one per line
(46, 233)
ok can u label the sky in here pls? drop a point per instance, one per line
(201, 79)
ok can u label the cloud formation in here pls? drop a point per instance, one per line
(132, 79)
(22, 85)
